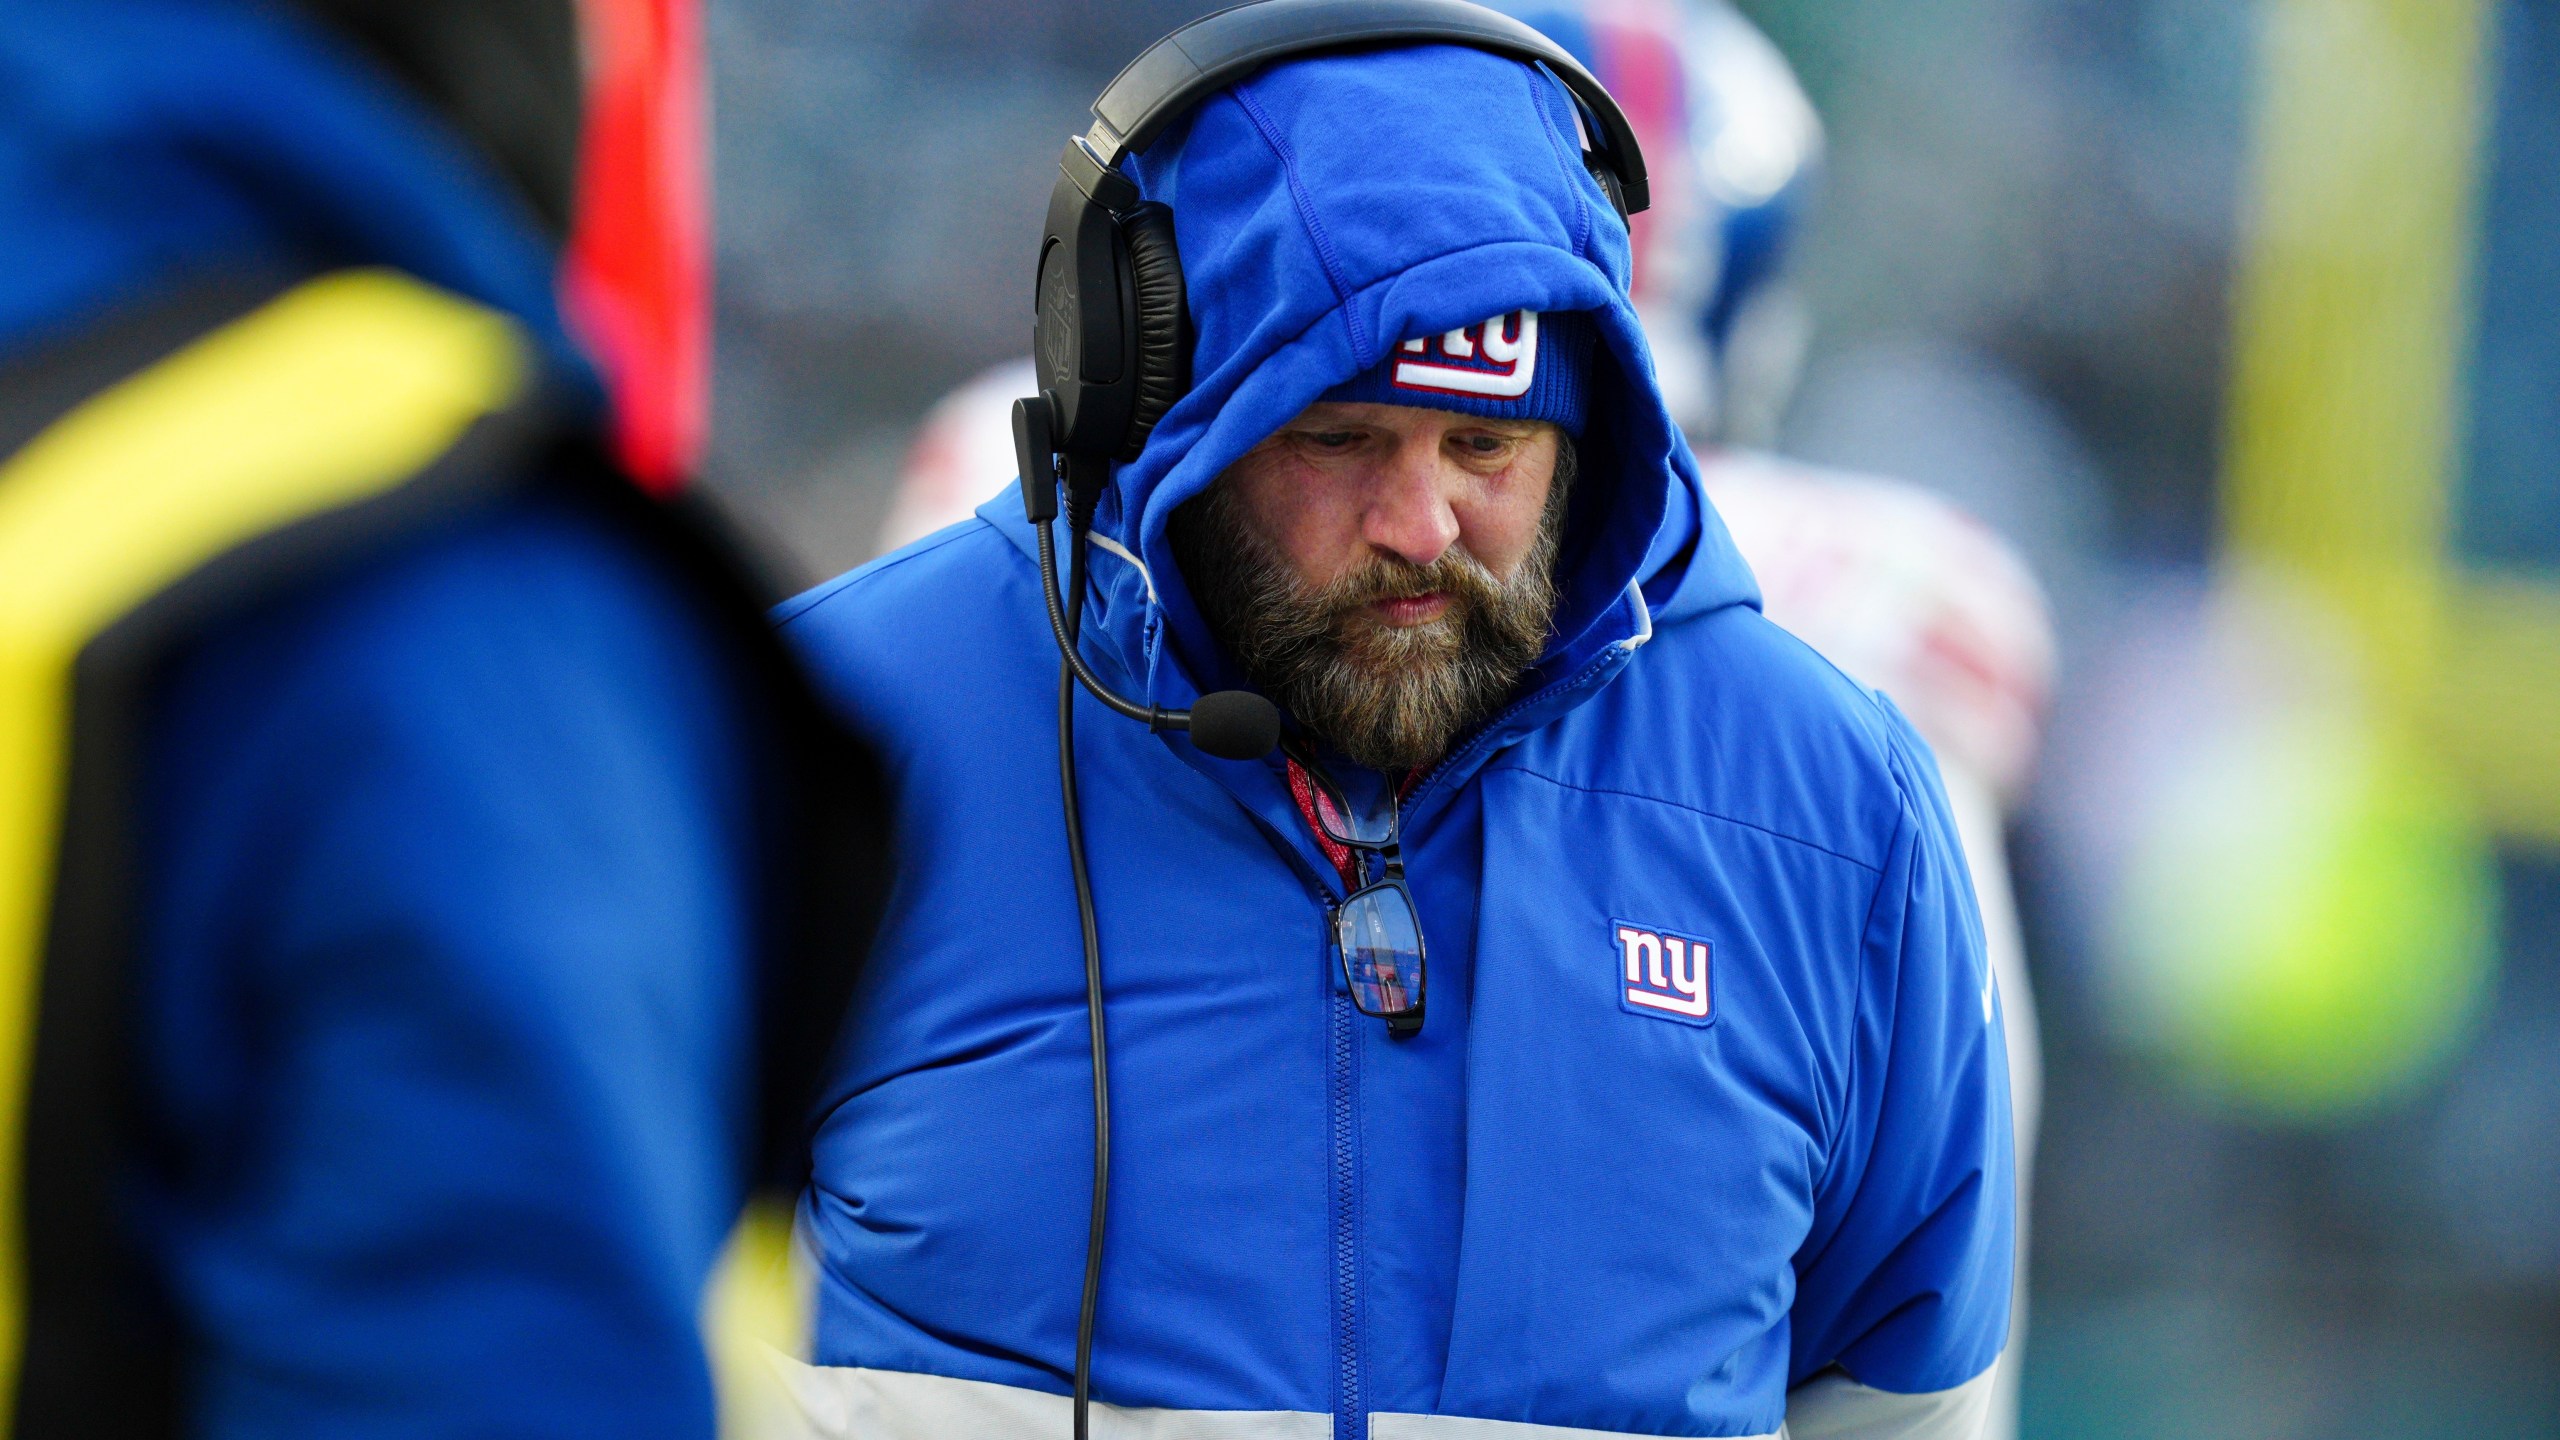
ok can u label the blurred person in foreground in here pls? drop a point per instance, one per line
(1696, 1120)
(422, 878)
(1896, 586)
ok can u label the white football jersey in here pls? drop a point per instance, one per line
(1906, 593)
(962, 454)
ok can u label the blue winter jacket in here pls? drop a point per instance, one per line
(450, 892)
(1559, 1208)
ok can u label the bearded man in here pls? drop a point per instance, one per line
(1664, 1093)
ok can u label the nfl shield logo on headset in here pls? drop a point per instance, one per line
(1661, 974)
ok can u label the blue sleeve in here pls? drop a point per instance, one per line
(446, 993)
(1904, 1281)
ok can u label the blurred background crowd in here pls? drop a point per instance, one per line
(2236, 318)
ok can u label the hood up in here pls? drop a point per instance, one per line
(1330, 208)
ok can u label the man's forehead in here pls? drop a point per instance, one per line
(1347, 414)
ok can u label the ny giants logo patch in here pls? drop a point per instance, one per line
(1495, 360)
(1663, 975)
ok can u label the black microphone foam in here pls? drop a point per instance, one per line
(1235, 725)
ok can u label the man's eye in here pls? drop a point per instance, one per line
(1481, 444)
(1331, 439)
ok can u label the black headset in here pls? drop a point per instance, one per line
(1111, 326)
(1111, 341)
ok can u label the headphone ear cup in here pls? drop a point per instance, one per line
(1164, 320)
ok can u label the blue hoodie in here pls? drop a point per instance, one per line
(1563, 1204)
(451, 861)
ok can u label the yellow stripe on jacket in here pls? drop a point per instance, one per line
(328, 396)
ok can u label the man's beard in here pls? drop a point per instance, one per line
(1389, 697)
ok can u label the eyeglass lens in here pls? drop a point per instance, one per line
(1346, 824)
(1381, 950)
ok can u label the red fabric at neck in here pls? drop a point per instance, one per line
(1303, 786)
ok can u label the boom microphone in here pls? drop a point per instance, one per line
(1235, 724)
(1230, 724)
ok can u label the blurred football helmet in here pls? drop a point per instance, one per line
(1737, 154)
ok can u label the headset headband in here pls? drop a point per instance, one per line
(1217, 50)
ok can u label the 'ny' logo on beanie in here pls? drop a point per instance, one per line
(1519, 366)
(1498, 358)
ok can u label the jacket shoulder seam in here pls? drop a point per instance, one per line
(792, 610)
(1773, 833)
(1902, 825)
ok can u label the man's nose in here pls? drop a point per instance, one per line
(1410, 513)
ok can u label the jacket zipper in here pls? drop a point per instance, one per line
(1345, 1085)
(1327, 888)
(1343, 1081)
(1342, 1097)
(1350, 1421)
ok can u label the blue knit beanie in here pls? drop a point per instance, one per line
(1520, 366)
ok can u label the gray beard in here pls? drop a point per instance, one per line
(1392, 698)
